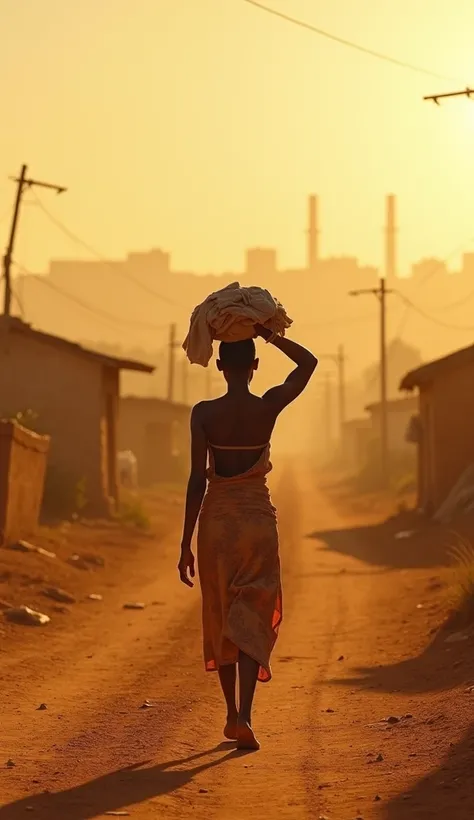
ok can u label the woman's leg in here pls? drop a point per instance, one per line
(227, 677)
(248, 673)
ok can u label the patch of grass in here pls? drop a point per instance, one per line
(132, 513)
(462, 587)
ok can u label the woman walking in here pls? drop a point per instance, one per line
(238, 557)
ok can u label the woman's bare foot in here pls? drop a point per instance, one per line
(230, 728)
(246, 738)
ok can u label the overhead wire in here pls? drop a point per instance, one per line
(110, 318)
(349, 43)
(120, 270)
(429, 317)
(434, 269)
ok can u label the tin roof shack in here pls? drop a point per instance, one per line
(157, 432)
(399, 414)
(73, 393)
(446, 428)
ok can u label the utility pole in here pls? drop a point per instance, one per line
(327, 411)
(339, 359)
(172, 345)
(22, 183)
(467, 92)
(381, 294)
(184, 380)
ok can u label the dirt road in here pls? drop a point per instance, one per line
(351, 652)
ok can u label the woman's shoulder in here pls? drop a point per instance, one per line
(204, 408)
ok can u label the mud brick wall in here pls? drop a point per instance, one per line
(23, 459)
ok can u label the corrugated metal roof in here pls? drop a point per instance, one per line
(428, 372)
(15, 325)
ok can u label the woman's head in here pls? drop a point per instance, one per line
(237, 359)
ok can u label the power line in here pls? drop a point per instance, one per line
(342, 41)
(22, 183)
(429, 317)
(101, 314)
(77, 239)
(459, 302)
(434, 269)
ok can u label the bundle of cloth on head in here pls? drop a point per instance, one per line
(230, 315)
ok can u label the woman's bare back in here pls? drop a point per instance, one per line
(245, 422)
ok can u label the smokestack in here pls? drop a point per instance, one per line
(313, 234)
(390, 239)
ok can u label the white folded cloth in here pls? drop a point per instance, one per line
(230, 315)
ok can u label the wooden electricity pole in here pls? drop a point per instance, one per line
(172, 345)
(381, 293)
(184, 380)
(22, 183)
(467, 92)
(339, 359)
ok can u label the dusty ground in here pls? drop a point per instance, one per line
(355, 648)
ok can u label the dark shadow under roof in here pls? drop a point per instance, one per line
(433, 370)
(15, 325)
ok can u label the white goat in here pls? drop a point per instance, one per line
(127, 466)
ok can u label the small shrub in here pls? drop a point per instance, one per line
(64, 495)
(132, 512)
(80, 496)
(462, 587)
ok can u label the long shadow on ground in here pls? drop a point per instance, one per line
(428, 546)
(446, 792)
(115, 790)
(435, 669)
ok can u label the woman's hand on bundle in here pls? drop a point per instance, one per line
(262, 331)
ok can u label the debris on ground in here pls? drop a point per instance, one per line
(10, 764)
(134, 605)
(86, 561)
(404, 534)
(63, 610)
(41, 707)
(147, 705)
(22, 546)
(24, 616)
(78, 562)
(94, 596)
(60, 595)
(95, 560)
(456, 637)
(45, 553)
(25, 546)
(203, 791)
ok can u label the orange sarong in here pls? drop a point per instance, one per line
(239, 568)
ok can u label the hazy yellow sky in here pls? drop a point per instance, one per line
(201, 125)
